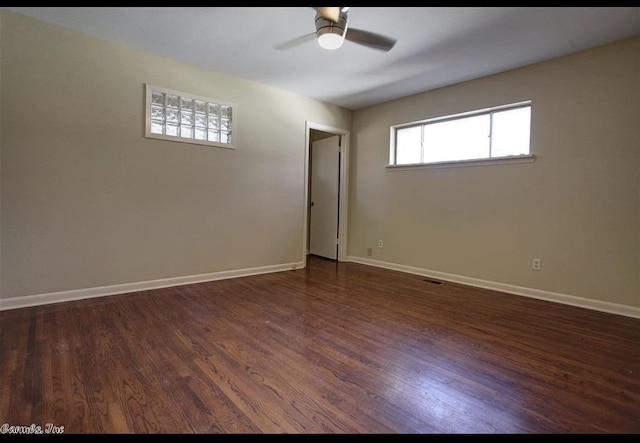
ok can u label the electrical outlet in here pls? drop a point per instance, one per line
(369, 252)
(380, 244)
(537, 264)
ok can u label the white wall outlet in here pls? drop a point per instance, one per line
(380, 244)
(537, 264)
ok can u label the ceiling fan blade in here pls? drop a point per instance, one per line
(295, 41)
(331, 13)
(370, 39)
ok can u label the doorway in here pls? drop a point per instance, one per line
(324, 198)
(326, 186)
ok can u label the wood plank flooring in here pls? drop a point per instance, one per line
(333, 348)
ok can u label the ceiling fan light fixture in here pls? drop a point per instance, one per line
(331, 34)
(331, 40)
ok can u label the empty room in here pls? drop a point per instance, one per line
(319, 220)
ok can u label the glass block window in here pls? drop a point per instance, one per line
(182, 117)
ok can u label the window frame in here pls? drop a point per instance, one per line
(149, 89)
(520, 158)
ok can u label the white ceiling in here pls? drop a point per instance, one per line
(436, 46)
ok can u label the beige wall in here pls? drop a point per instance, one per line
(88, 201)
(1, 18)
(576, 207)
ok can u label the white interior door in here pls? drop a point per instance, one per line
(325, 188)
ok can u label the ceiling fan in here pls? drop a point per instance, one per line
(332, 30)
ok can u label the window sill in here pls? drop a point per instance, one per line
(530, 158)
(192, 141)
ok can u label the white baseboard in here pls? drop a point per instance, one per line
(612, 308)
(79, 294)
(101, 291)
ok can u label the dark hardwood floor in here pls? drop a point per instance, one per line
(333, 348)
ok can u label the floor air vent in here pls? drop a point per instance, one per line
(432, 281)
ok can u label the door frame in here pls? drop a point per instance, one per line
(343, 192)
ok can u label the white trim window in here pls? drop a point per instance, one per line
(500, 133)
(181, 117)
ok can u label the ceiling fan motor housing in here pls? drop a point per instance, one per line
(325, 26)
